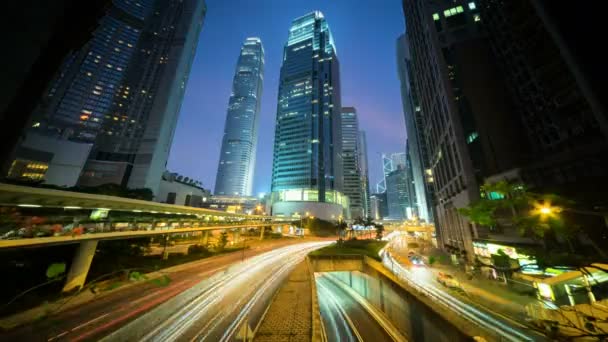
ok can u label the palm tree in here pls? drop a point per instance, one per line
(523, 208)
(341, 226)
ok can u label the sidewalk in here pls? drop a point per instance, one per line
(289, 316)
(492, 294)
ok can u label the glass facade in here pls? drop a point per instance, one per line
(363, 167)
(307, 135)
(397, 194)
(239, 144)
(350, 161)
(136, 135)
(79, 99)
(416, 149)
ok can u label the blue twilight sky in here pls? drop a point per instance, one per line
(365, 32)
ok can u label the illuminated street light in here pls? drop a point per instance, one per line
(545, 210)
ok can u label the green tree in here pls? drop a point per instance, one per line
(379, 231)
(511, 204)
(223, 241)
(341, 227)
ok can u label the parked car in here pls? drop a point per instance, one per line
(416, 260)
(447, 280)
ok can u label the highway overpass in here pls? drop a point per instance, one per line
(42, 217)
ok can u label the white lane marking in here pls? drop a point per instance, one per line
(342, 311)
(58, 336)
(184, 318)
(89, 322)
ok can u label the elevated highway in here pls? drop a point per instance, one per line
(34, 217)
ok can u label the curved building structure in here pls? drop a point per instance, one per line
(239, 144)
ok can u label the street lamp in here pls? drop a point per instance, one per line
(546, 210)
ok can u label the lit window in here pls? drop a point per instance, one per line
(472, 5)
(472, 137)
(477, 17)
(436, 16)
(459, 9)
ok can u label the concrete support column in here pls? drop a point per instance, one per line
(80, 265)
(236, 235)
(205, 238)
(262, 233)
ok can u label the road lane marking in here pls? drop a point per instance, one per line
(89, 322)
(58, 336)
(342, 312)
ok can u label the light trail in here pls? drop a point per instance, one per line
(332, 305)
(216, 308)
(469, 312)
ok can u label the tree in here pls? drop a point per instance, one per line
(341, 227)
(379, 231)
(510, 204)
(223, 241)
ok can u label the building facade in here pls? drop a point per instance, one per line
(138, 130)
(415, 147)
(457, 85)
(555, 83)
(78, 101)
(398, 194)
(180, 190)
(364, 170)
(49, 160)
(353, 186)
(239, 143)
(378, 206)
(308, 141)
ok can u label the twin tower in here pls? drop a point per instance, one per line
(307, 167)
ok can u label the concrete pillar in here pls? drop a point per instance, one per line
(205, 238)
(262, 233)
(236, 235)
(80, 265)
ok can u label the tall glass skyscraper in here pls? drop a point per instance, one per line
(364, 169)
(137, 132)
(353, 186)
(307, 141)
(413, 117)
(237, 157)
(77, 101)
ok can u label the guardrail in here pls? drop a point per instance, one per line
(318, 330)
(497, 330)
(66, 239)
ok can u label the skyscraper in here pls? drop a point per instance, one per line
(412, 112)
(237, 156)
(353, 187)
(457, 86)
(77, 103)
(307, 166)
(139, 127)
(397, 194)
(555, 82)
(79, 99)
(364, 170)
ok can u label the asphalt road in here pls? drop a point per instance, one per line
(500, 326)
(218, 308)
(344, 319)
(95, 319)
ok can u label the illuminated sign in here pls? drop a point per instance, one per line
(99, 214)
